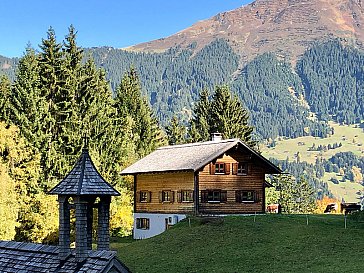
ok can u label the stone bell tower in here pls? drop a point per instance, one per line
(84, 185)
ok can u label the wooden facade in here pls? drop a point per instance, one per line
(227, 186)
(155, 184)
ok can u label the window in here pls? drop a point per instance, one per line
(185, 196)
(166, 197)
(219, 167)
(142, 223)
(213, 196)
(245, 196)
(144, 196)
(240, 168)
(243, 168)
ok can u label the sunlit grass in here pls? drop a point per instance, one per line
(273, 243)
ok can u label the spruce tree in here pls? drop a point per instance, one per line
(200, 123)
(176, 132)
(54, 102)
(26, 103)
(229, 117)
(129, 102)
(56, 99)
(223, 113)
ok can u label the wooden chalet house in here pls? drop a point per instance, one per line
(83, 190)
(217, 177)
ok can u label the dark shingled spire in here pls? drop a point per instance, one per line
(84, 179)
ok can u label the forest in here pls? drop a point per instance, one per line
(326, 84)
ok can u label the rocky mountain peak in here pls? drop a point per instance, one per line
(286, 27)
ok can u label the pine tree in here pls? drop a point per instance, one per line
(147, 135)
(229, 117)
(176, 132)
(199, 125)
(53, 103)
(26, 102)
(304, 192)
(56, 99)
(295, 195)
(223, 114)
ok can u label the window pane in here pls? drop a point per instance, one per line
(142, 223)
(243, 168)
(143, 196)
(166, 196)
(247, 196)
(187, 196)
(220, 168)
(213, 196)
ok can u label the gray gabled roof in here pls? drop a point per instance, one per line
(189, 157)
(84, 179)
(31, 258)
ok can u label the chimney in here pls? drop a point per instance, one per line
(216, 137)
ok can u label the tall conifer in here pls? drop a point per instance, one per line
(222, 113)
(176, 132)
(129, 102)
(228, 116)
(26, 102)
(200, 123)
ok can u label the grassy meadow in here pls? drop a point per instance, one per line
(270, 244)
(352, 139)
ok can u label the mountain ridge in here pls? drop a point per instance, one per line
(285, 27)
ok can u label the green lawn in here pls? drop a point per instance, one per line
(274, 243)
(352, 139)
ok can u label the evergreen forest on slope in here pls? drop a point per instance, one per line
(326, 84)
(327, 81)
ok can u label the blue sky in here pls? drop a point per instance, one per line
(101, 22)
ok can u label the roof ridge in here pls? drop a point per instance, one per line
(198, 144)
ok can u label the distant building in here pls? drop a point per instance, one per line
(83, 189)
(216, 177)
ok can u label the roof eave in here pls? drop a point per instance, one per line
(158, 172)
(275, 169)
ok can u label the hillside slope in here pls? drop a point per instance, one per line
(8, 66)
(286, 27)
(273, 243)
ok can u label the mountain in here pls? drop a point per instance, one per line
(285, 27)
(294, 64)
(8, 66)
